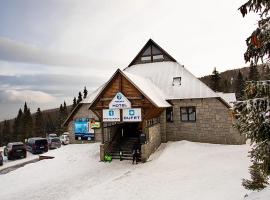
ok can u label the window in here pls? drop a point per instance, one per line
(146, 59)
(169, 114)
(152, 54)
(188, 114)
(158, 58)
(176, 81)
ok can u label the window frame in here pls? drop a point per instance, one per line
(186, 108)
(169, 111)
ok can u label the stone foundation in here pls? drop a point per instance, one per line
(154, 140)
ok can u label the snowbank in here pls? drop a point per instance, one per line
(178, 170)
(262, 195)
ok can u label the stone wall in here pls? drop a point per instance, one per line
(213, 123)
(153, 142)
(83, 112)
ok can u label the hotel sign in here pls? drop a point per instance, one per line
(111, 115)
(119, 102)
(132, 115)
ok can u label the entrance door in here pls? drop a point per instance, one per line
(131, 129)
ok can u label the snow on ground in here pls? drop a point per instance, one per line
(8, 163)
(262, 195)
(178, 170)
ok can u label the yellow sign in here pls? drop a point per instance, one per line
(94, 124)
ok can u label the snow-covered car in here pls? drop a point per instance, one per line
(54, 143)
(15, 150)
(1, 158)
(64, 139)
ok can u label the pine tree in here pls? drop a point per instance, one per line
(6, 132)
(85, 92)
(74, 103)
(254, 113)
(79, 99)
(239, 86)
(258, 178)
(215, 80)
(253, 73)
(65, 110)
(50, 127)
(258, 47)
(39, 124)
(27, 122)
(18, 126)
(253, 121)
(226, 86)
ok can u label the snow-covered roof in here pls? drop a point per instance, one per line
(143, 85)
(228, 97)
(92, 95)
(161, 74)
(149, 89)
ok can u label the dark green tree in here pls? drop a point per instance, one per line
(50, 125)
(253, 114)
(39, 124)
(74, 103)
(79, 99)
(239, 86)
(215, 80)
(27, 122)
(226, 86)
(258, 48)
(85, 92)
(6, 132)
(18, 126)
(253, 121)
(253, 73)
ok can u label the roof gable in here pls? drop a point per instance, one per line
(151, 94)
(151, 52)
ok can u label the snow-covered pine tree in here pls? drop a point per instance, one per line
(254, 112)
(253, 121)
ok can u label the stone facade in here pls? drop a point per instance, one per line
(154, 140)
(83, 112)
(213, 123)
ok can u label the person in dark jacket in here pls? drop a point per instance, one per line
(135, 154)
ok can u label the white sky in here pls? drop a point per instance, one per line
(93, 38)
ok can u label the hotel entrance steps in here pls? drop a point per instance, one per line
(126, 145)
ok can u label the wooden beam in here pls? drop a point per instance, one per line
(130, 98)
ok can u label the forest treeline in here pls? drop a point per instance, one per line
(38, 124)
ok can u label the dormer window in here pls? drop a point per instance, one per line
(176, 81)
(152, 54)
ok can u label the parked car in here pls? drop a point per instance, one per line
(15, 150)
(37, 145)
(52, 135)
(1, 158)
(54, 143)
(64, 139)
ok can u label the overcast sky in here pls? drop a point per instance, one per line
(51, 49)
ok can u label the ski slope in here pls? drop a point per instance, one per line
(177, 170)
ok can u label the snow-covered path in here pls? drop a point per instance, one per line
(178, 170)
